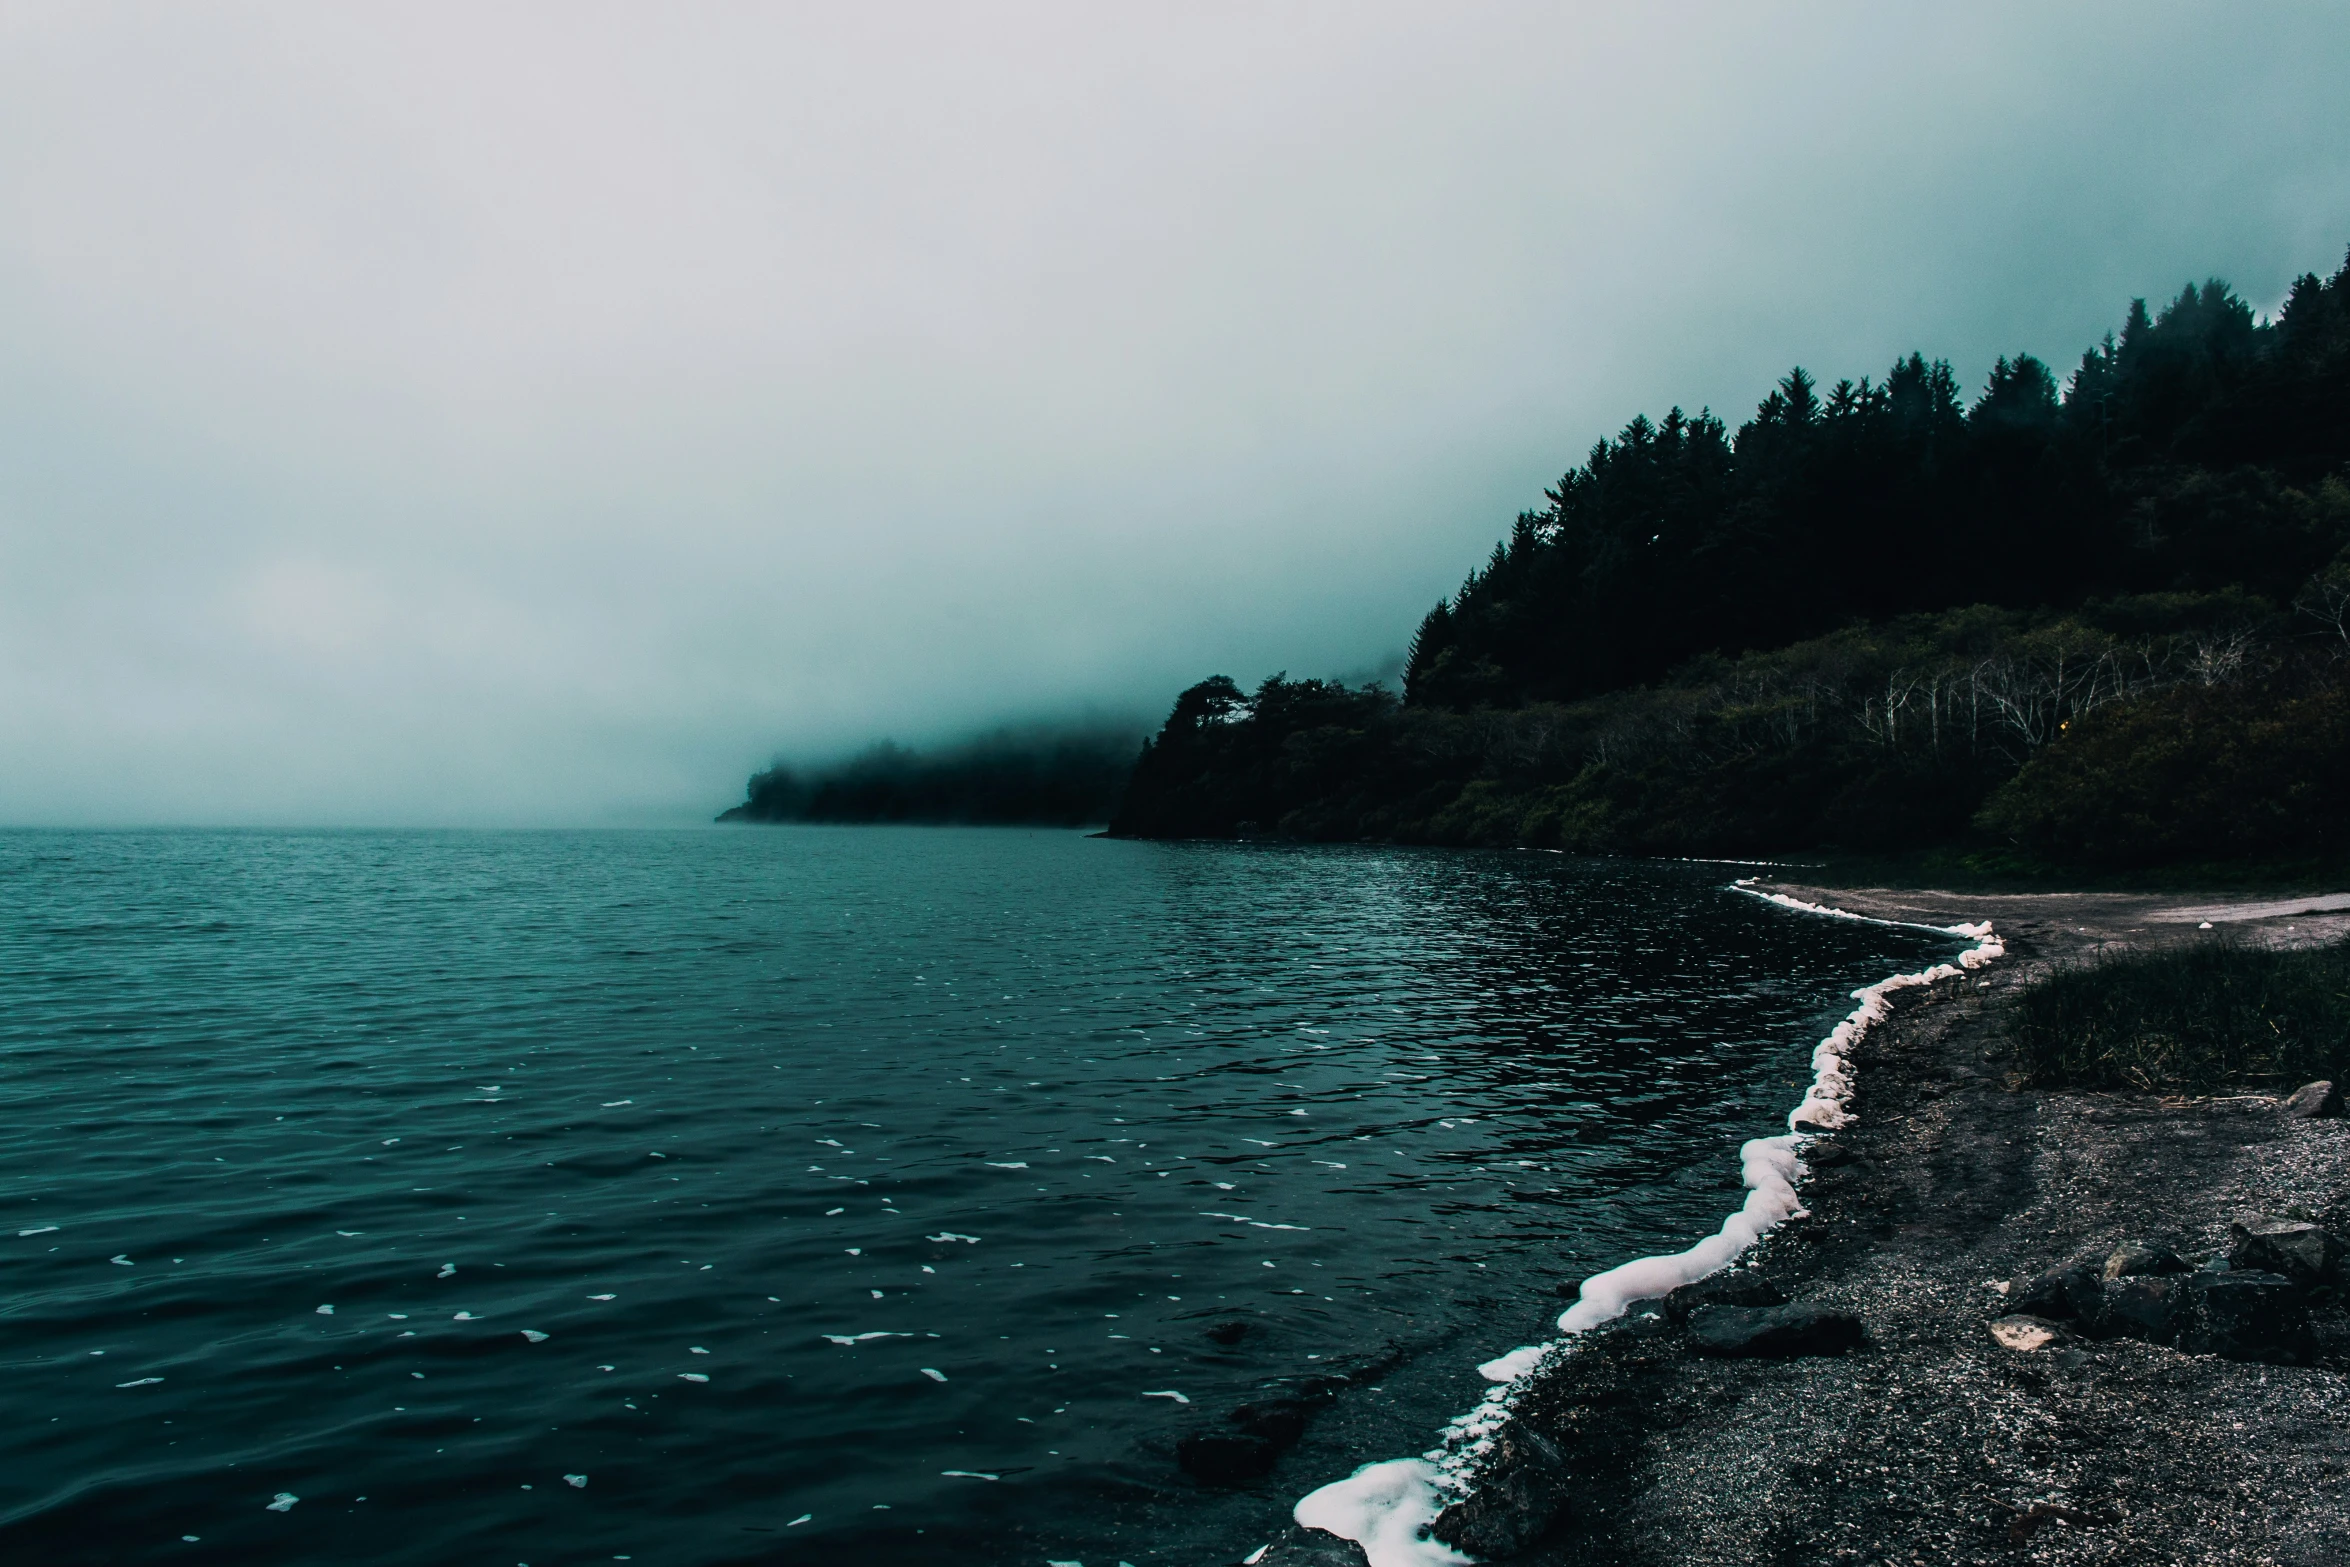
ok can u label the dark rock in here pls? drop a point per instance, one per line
(1521, 1486)
(1804, 1123)
(2247, 1315)
(1226, 1457)
(2074, 1293)
(1800, 1329)
(1723, 1289)
(1281, 1420)
(2308, 1254)
(2145, 1306)
(2311, 1101)
(1228, 1333)
(1301, 1547)
(1259, 1432)
(2135, 1259)
(1262, 1432)
(1825, 1155)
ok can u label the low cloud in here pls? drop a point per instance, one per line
(528, 414)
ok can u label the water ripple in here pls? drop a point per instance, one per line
(790, 1179)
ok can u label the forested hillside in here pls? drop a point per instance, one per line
(2101, 618)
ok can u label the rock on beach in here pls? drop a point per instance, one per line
(2146, 1307)
(2072, 1293)
(2245, 1315)
(1736, 1288)
(1773, 1332)
(2311, 1101)
(2306, 1253)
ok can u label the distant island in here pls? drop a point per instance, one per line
(1060, 775)
(2099, 622)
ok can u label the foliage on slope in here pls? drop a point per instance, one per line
(2103, 622)
(1873, 737)
(2191, 452)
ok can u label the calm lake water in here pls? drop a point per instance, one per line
(823, 1195)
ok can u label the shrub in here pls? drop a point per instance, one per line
(2216, 1015)
(2221, 771)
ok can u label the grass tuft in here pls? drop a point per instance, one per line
(2211, 1018)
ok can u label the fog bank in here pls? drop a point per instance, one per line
(535, 414)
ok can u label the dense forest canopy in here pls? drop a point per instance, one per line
(2186, 454)
(1876, 615)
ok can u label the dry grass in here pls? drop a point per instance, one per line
(2216, 1017)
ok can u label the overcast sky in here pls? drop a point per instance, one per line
(478, 413)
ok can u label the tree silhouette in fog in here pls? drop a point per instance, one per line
(1673, 651)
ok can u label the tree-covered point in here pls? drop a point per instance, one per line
(2126, 731)
(1043, 775)
(2105, 622)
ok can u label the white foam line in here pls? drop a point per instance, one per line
(1386, 1508)
(1745, 885)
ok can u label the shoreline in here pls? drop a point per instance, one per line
(1933, 1442)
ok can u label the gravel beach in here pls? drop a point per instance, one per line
(1933, 1441)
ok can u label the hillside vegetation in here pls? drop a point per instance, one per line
(2102, 621)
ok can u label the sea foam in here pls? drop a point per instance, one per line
(1387, 1507)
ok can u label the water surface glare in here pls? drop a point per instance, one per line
(868, 1195)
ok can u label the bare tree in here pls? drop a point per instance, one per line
(2327, 601)
(2217, 657)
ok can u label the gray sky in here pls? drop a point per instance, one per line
(478, 413)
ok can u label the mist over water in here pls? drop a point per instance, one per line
(820, 1194)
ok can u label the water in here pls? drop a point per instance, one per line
(1037, 1110)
